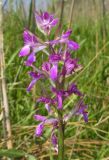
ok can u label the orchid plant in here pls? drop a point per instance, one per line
(58, 67)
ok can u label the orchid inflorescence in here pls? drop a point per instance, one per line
(59, 66)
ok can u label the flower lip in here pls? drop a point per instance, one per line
(39, 129)
(31, 59)
(24, 51)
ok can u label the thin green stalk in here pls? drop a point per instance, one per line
(60, 136)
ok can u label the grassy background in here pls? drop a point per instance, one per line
(83, 141)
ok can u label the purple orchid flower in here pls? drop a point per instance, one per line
(31, 43)
(35, 76)
(65, 39)
(59, 97)
(51, 70)
(58, 66)
(44, 121)
(70, 66)
(72, 45)
(48, 103)
(62, 39)
(45, 22)
(73, 89)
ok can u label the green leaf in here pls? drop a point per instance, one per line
(12, 58)
(30, 157)
(12, 153)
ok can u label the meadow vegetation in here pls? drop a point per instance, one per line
(82, 141)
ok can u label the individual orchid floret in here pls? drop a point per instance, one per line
(71, 45)
(31, 43)
(45, 22)
(51, 70)
(70, 66)
(59, 97)
(48, 103)
(62, 39)
(73, 89)
(54, 72)
(44, 121)
(35, 77)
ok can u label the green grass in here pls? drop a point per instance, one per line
(83, 141)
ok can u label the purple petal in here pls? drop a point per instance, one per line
(48, 108)
(82, 110)
(33, 74)
(59, 102)
(54, 22)
(39, 117)
(30, 60)
(54, 72)
(53, 42)
(44, 100)
(39, 129)
(52, 121)
(66, 34)
(33, 82)
(73, 45)
(46, 66)
(38, 18)
(85, 116)
(24, 51)
(54, 58)
(38, 47)
(45, 22)
(73, 89)
(29, 38)
(54, 140)
(35, 77)
(46, 16)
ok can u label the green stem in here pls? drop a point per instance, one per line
(60, 136)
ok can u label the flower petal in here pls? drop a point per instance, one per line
(39, 129)
(54, 22)
(38, 47)
(59, 96)
(30, 60)
(85, 116)
(46, 66)
(48, 108)
(54, 140)
(39, 117)
(32, 83)
(73, 45)
(66, 34)
(54, 72)
(29, 38)
(24, 51)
